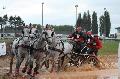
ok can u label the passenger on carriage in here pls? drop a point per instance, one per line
(95, 44)
(79, 37)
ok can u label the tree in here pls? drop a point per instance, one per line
(11, 21)
(1, 23)
(107, 23)
(79, 21)
(84, 25)
(5, 21)
(102, 25)
(88, 21)
(17, 22)
(94, 23)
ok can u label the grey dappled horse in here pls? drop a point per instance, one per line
(20, 49)
(38, 51)
(56, 49)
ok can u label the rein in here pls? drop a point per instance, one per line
(38, 49)
(58, 50)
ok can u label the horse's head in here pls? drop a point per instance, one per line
(34, 33)
(48, 35)
(26, 32)
(25, 36)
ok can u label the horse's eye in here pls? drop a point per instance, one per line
(52, 34)
(45, 33)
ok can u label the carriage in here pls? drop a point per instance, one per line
(80, 58)
(60, 53)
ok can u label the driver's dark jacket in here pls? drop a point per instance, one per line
(81, 36)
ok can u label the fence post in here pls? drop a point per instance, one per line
(119, 57)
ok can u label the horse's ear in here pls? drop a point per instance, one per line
(52, 29)
(22, 32)
(52, 34)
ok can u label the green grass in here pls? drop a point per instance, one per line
(110, 47)
(5, 40)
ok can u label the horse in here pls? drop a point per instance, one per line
(38, 50)
(57, 50)
(20, 49)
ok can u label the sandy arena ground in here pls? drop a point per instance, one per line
(108, 70)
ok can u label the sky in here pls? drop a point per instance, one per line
(59, 12)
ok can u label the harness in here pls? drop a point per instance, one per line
(58, 50)
(22, 45)
(37, 49)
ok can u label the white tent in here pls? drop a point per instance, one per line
(2, 48)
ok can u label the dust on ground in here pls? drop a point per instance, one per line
(109, 67)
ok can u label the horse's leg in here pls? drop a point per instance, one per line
(11, 63)
(26, 64)
(46, 64)
(55, 63)
(39, 63)
(18, 63)
(37, 67)
(31, 59)
(60, 63)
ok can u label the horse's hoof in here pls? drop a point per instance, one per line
(29, 72)
(24, 69)
(52, 70)
(35, 73)
(16, 74)
(9, 73)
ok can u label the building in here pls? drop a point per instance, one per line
(9, 34)
(118, 32)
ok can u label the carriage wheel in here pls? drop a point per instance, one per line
(94, 61)
(82, 59)
(74, 60)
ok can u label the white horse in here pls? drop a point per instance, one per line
(20, 49)
(57, 49)
(38, 51)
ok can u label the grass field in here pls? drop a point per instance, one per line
(6, 40)
(109, 47)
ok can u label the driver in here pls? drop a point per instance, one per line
(79, 38)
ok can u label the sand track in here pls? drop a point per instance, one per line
(85, 72)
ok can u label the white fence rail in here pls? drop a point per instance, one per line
(2, 48)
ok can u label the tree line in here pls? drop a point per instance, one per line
(86, 21)
(11, 24)
(90, 23)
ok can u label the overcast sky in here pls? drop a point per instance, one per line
(59, 12)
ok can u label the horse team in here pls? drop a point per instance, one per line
(44, 48)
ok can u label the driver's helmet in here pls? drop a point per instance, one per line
(78, 28)
(89, 33)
